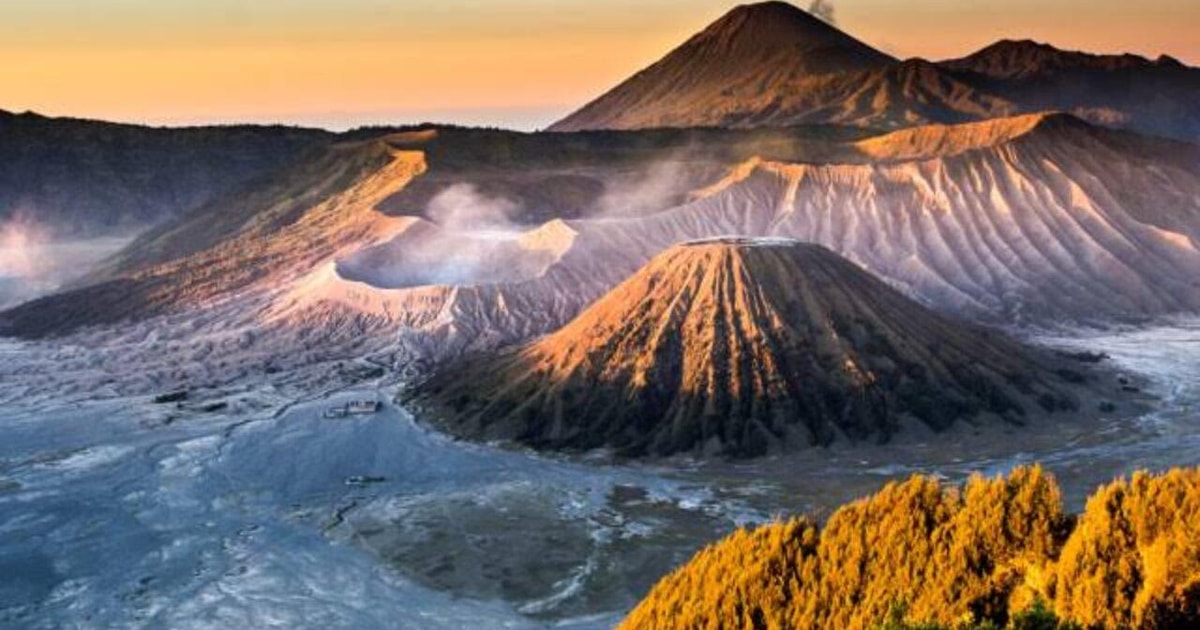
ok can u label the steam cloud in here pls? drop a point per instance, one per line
(33, 263)
(21, 243)
(461, 208)
(822, 9)
(651, 191)
(476, 242)
(478, 236)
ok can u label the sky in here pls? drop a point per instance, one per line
(512, 63)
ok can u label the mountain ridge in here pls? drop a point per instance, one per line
(116, 178)
(1028, 220)
(1012, 58)
(784, 81)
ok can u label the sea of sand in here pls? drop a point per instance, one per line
(116, 511)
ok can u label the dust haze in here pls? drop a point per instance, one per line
(461, 208)
(653, 189)
(473, 239)
(476, 239)
(34, 263)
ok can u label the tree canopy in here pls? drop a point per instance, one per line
(989, 553)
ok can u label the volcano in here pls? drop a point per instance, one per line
(741, 347)
(772, 64)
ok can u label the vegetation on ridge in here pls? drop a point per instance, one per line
(991, 553)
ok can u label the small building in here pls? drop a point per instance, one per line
(361, 407)
(353, 408)
(335, 412)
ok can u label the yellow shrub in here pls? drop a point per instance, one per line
(944, 554)
(1134, 558)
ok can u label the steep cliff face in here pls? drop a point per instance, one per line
(741, 347)
(1034, 219)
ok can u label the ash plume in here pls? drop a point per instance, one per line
(651, 190)
(462, 208)
(822, 9)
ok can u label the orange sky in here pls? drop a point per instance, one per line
(518, 63)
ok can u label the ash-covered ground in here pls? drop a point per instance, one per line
(245, 507)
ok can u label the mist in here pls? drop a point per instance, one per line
(653, 189)
(34, 263)
(21, 242)
(461, 208)
(475, 240)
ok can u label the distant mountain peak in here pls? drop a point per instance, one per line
(772, 64)
(1020, 58)
(754, 34)
(1168, 60)
(774, 23)
(750, 54)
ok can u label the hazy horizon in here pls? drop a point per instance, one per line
(519, 64)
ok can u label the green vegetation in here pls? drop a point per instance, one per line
(990, 554)
(1036, 617)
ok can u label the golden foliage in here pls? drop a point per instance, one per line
(955, 556)
(745, 581)
(1134, 558)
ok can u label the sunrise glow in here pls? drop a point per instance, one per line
(521, 64)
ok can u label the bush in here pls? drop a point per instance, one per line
(922, 555)
(1134, 558)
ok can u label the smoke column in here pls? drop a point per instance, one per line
(822, 9)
